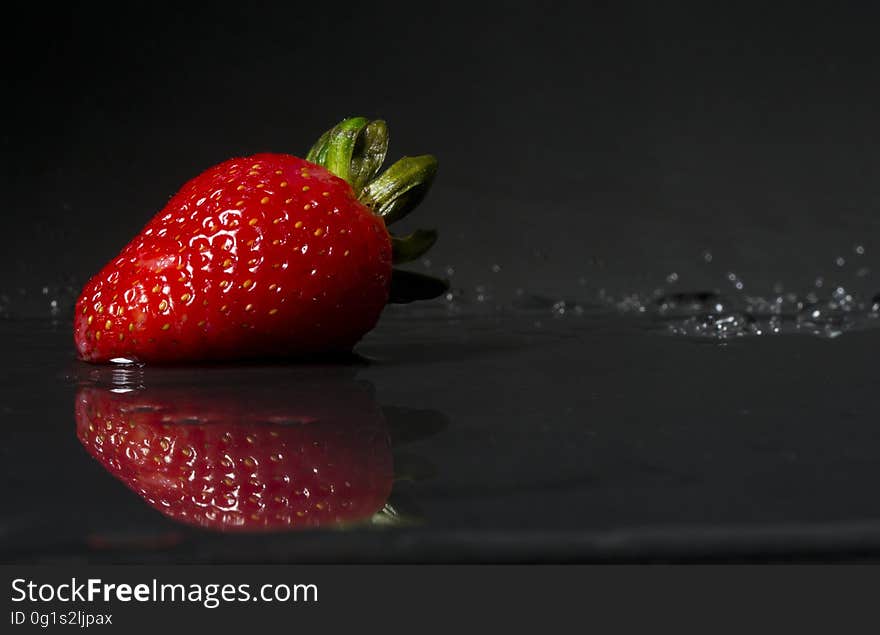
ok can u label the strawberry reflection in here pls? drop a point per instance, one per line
(242, 450)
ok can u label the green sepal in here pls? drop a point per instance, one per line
(354, 150)
(398, 190)
(318, 152)
(368, 154)
(408, 248)
(340, 146)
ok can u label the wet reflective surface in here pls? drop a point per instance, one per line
(248, 449)
(661, 228)
(460, 432)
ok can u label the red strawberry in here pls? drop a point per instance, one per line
(259, 454)
(263, 256)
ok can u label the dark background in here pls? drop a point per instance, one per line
(606, 142)
(583, 146)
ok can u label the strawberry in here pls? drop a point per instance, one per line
(264, 256)
(259, 454)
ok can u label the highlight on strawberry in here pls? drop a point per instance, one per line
(266, 256)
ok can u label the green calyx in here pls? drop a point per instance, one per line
(399, 190)
(408, 248)
(354, 150)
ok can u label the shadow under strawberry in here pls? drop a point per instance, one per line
(247, 450)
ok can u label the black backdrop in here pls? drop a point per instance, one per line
(613, 142)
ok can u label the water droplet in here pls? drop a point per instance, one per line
(710, 315)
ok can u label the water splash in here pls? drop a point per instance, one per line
(834, 302)
(715, 315)
(827, 310)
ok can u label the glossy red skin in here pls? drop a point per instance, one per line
(263, 256)
(217, 463)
